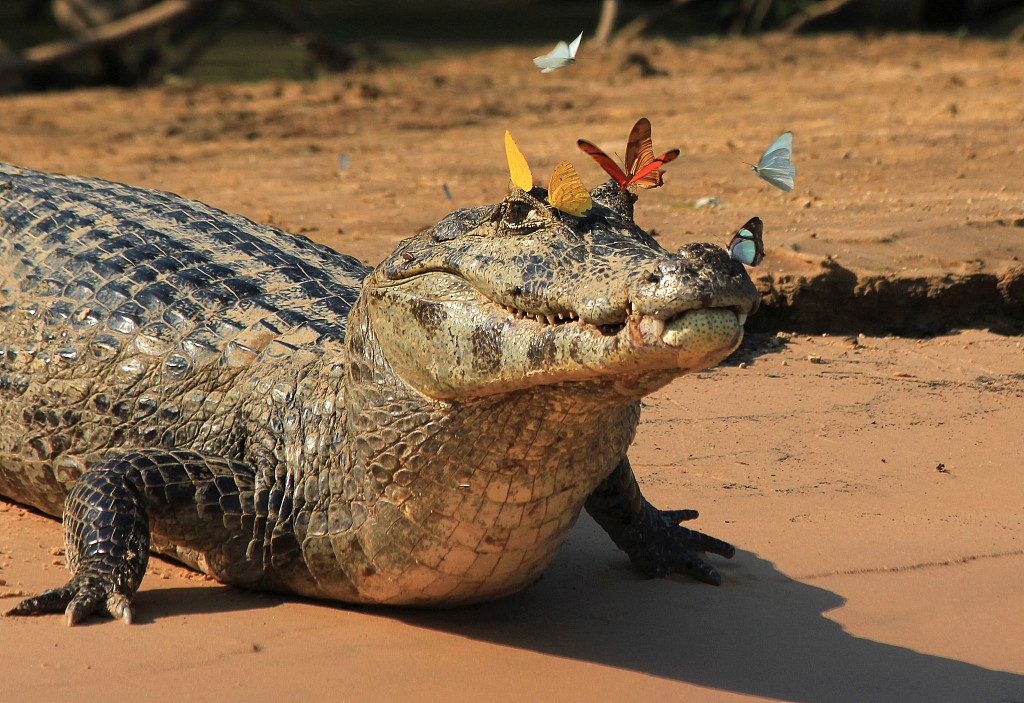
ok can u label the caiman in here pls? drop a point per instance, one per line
(281, 416)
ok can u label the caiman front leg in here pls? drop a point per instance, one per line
(653, 538)
(202, 503)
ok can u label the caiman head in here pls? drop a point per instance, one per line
(517, 295)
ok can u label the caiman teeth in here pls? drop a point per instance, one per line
(558, 318)
(704, 332)
(561, 318)
(651, 327)
(641, 329)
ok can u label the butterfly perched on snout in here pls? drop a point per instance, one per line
(747, 244)
(567, 192)
(643, 168)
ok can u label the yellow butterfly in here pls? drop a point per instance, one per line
(517, 166)
(567, 192)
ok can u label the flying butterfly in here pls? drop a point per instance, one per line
(522, 177)
(747, 245)
(567, 192)
(562, 55)
(644, 167)
(775, 165)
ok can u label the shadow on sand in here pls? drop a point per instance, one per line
(154, 604)
(761, 634)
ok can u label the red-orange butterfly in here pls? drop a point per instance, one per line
(644, 167)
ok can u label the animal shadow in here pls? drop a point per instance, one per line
(761, 634)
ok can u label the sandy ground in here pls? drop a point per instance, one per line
(872, 483)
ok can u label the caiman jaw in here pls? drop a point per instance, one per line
(647, 330)
(477, 347)
(701, 330)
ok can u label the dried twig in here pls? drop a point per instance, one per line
(809, 14)
(111, 34)
(640, 24)
(606, 22)
(739, 20)
(1018, 33)
(757, 18)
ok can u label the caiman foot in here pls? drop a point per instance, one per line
(78, 599)
(653, 539)
(106, 529)
(197, 501)
(662, 547)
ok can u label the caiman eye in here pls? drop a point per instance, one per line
(517, 215)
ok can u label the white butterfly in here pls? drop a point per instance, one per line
(775, 165)
(562, 55)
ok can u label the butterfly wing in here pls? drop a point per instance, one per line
(574, 45)
(556, 58)
(783, 141)
(747, 245)
(567, 192)
(781, 177)
(604, 161)
(775, 165)
(640, 153)
(522, 177)
(653, 166)
(639, 147)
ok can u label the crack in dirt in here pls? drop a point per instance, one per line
(909, 567)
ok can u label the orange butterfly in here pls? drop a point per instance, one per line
(567, 192)
(522, 177)
(644, 167)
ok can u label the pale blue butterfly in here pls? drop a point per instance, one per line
(775, 165)
(746, 245)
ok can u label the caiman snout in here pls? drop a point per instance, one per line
(696, 299)
(699, 276)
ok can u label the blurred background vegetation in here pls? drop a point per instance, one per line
(59, 43)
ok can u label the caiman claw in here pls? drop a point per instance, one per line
(653, 539)
(79, 598)
(663, 547)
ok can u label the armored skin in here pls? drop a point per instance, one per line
(281, 416)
